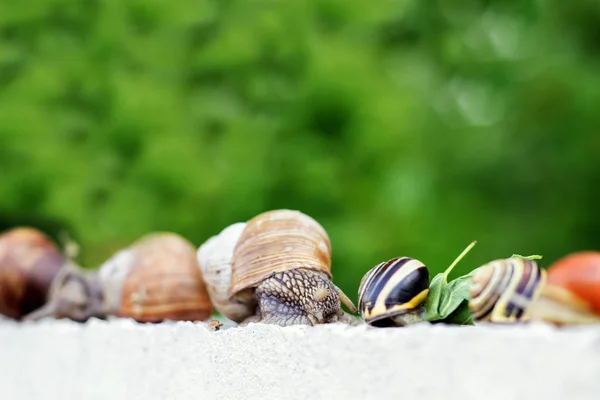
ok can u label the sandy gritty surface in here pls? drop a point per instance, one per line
(121, 359)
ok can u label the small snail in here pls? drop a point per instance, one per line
(29, 261)
(155, 279)
(273, 269)
(392, 293)
(580, 274)
(516, 290)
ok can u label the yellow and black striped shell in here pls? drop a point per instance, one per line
(392, 288)
(502, 290)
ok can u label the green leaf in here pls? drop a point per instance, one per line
(460, 316)
(533, 257)
(456, 292)
(434, 298)
(446, 298)
(449, 299)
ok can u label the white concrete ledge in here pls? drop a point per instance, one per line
(121, 359)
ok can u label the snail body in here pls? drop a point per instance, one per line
(392, 293)
(517, 290)
(155, 279)
(29, 262)
(279, 267)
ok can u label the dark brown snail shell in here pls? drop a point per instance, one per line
(29, 261)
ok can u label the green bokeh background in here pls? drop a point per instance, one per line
(404, 127)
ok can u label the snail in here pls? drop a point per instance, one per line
(392, 293)
(580, 274)
(214, 258)
(517, 290)
(29, 262)
(155, 279)
(274, 269)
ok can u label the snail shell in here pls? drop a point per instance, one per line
(271, 243)
(502, 290)
(516, 290)
(214, 258)
(580, 274)
(29, 261)
(155, 279)
(391, 293)
(278, 241)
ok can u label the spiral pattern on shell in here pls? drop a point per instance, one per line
(155, 279)
(502, 290)
(392, 288)
(29, 261)
(277, 241)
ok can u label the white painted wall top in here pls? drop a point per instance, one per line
(121, 359)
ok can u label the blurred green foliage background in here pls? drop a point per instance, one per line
(405, 127)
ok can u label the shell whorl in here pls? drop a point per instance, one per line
(391, 288)
(277, 241)
(111, 275)
(29, 262)
(214, 258)
(579, 273)
(157, 278)
(502, 290)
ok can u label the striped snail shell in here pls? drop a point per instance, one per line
(392, 293)
(516, 290)
(502, 290)
(29, 261)
(279, 267)
(155, 279)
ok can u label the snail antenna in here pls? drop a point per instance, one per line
(71, 247)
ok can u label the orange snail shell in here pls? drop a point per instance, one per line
(580, 274)
(29, 261)
(155, 279)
